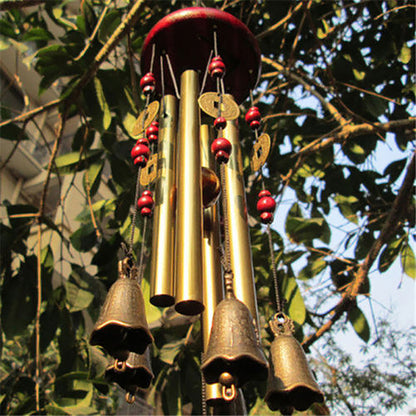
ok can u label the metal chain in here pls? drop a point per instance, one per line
(133, 221)
(274, 271)
(227, 256)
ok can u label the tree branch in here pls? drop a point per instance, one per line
(19, 4)
(399, 207)
(349, 131)
(327, 105)
(32, 113)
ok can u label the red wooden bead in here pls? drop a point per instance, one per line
(147, 83)
(143, 140)
(221, 143)
(263, 193)
(266, 204)
(217, 67)
(141, 161)
(266, 217)
(220, 123)
(146, 212)
(253, 118)
(140, 150)
(222, 156)
(146, 204)
(153, 128)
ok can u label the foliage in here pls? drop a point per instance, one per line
(336, 87)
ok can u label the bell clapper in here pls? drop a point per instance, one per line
(130, 398)
(119, 365)
(229, 393)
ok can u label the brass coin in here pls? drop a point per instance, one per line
(261, 150)
(148, 174)
(210, 101)
(145, 118)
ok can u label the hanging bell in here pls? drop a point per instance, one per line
(122, 327)
(132, 374)
(291, 383)
(233, 355)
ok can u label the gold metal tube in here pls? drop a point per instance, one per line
(188, 235)
(161, 272)
(241, 261)
(213, 287)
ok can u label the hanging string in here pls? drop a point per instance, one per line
(139, 170)
(215, 43)
(203, 392)
(141, 261)
(175, 85)
(206, 73)
(269, 233)
(162, 80)
(274, 271)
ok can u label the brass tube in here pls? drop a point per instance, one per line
(161, 272)
(213, 287)
(241, 261)
(188, 235)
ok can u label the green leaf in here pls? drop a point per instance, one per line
(13, 132)
(37, 34)
(78, 299)
(405, 54)
(18, 299)
(389, 254)
(359, 75)
(359, 323)
(169, 351)
(92, 178)
(312, 269)
(75, 161)
(85, 238)
(296, 307)
(153, 313)
(407, 257)
(109, 24)
(103, 103)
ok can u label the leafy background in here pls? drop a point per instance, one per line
(337, 88)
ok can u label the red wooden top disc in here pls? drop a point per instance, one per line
(187, 36)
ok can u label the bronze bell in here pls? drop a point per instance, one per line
(122, 327)
(132, 374)
(233, 355)
(291, 383)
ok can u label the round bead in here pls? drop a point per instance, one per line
(263, 193)
(147, 83)
(153, 128)
(221, 148)
(217, 67)
(253, 118)
(146, 204)
(266, 204)
(266, 217)
(141, 161)
(221, 156)
(220, 123)
(221, 143)
(140, 150)
(143, 140)
(146, 212)
(147, 193)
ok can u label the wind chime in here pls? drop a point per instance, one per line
(201, 63)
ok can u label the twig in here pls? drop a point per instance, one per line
(280, 22)
(37, 319)
(32, 113)
(331, 109)
(399, 207)
(349, 131)
(93, 34)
